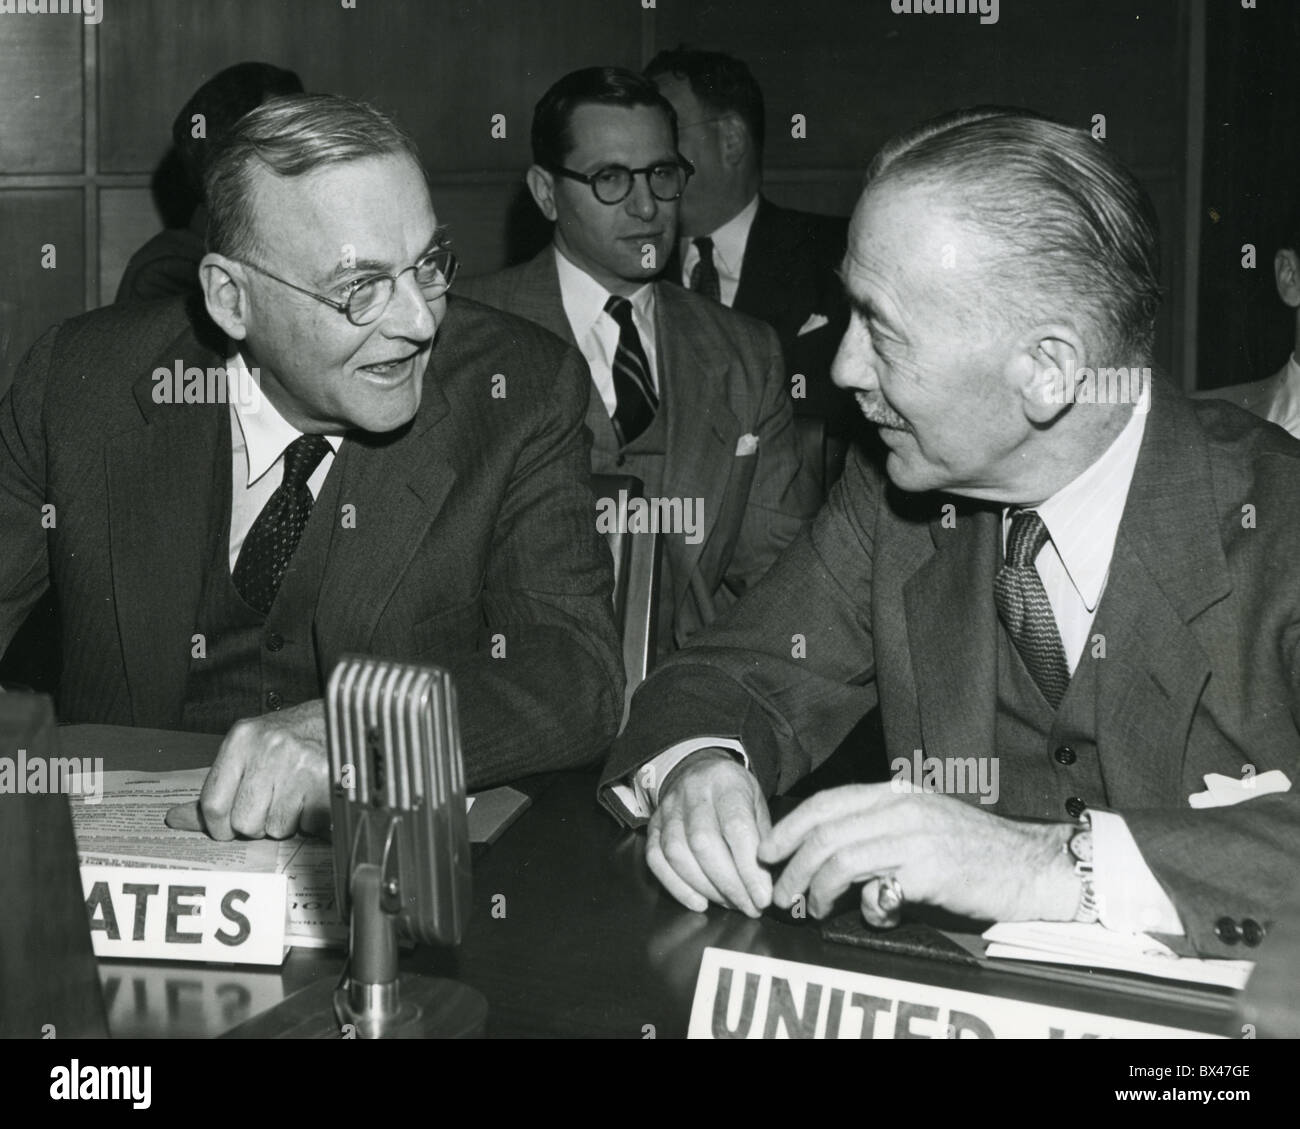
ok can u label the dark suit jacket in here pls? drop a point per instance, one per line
(722, 379)
(1200, 675)
(787, 277)
(474, 519)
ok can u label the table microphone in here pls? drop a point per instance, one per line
(401, 841)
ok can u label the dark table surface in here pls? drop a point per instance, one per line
(569, 935)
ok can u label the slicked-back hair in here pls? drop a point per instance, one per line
(291, 137)
(552, 137)
(722, 84)
(1080, 233)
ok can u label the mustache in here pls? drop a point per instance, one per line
(878, 412)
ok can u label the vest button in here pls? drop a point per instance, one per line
(273, 700)
(1226, 930)
(1252, 932)
(274, 641)
(1065, 755)
(1075, 807)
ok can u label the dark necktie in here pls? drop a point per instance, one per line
(704, 274)
(275, 534)
(632, 385)
(1023, 605)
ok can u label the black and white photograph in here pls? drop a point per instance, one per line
(650, 520)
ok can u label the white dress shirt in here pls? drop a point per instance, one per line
(259, 436)
(1083, 520)
(1285, 409)
(729, 243)
(596, 332)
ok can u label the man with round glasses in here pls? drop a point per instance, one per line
(332, 457)
(686, 395)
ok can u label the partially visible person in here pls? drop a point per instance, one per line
(168, 264)
(686, 395)
(225, 507)
(737, 246)
(1276, 398)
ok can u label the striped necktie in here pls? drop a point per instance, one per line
(1024, 608)
(633, 388)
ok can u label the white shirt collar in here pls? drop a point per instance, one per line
(1285, 408)
(584, 298)
(730, 240)
(266, 433)
(1083, 516)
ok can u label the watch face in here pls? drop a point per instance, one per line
(1081, 846)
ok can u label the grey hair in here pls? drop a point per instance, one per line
(290, 136)
(1080, 233)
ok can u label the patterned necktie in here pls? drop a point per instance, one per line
(704, 274)
(1024, 608)
(269, 546)
(632, 385)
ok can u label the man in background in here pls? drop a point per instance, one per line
(168, 264)
(737, 247)
(1276, 398)
(686, 395)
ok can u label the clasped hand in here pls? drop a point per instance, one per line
(711, 839)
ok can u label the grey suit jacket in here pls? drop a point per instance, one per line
(1201, 675)
(722, 377)
(474, 520)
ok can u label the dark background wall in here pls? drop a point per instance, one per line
(85, 111)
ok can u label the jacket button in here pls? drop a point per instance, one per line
(1226, 930)
(1252, 932)
(273, 700)
(1065, 755)
(274, 641)
(1075, 807)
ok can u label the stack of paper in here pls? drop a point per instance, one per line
(1095, 946)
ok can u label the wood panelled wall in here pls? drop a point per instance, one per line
(86, 110)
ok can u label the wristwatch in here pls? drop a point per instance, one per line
(1079, 849)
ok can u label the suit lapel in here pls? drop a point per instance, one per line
(1168, 568)
(952, 630)
(160, 500)
(702, 429)
(397, 484)
(764, 290)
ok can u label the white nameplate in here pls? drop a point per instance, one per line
(740, 996)
(206, 915)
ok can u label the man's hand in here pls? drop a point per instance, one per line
(942, 851)
(702, 841)
(270, 779)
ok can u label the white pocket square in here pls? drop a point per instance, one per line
(815, 321)
(747, 444)
(1224, 791)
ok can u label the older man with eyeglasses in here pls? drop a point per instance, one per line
(686, 395)
(384, 469)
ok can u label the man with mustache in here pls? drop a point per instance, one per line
(1093, 581)
(332, 456)
(686, 395)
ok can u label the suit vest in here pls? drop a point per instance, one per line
(253, 663)
(1048, 758)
